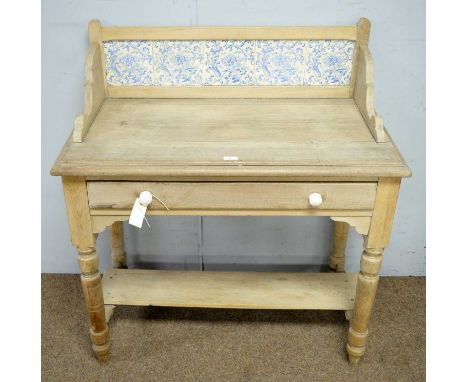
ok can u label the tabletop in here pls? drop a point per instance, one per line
(275, 138)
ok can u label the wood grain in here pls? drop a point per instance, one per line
(371, 261)
(242, 290)
(360, 223)
(364, 94)
(233, 196)
(238, 120)
(83, 239)
(79, 220)
(363, 31)
(95, 37)
(230, 91)
(154, 137)
(103, 218)
(340, 237)
(384, 210)
(362, 38)
(230, 33)
(119, 257)
(289, 141)
(94, 93)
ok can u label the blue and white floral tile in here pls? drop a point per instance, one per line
(129, 63)
(178, 63)
(230, 62)
(280, 62)
(241, 62)
(329, 62)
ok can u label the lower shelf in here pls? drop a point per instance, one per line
(243, 290)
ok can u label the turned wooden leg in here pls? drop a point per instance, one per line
(92, 290)
(371, 261)
(368, 279)
(83, 238)
(119, 257)
(340, 237)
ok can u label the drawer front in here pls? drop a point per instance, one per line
(233, 196)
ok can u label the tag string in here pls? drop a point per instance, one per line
(160, 201)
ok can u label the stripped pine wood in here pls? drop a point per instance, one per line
(311, 212)
(95, 37)
(360, 155)
(94, 93)
(119, 257)
(233, 196)
(245, 178)
(242, 290)
(363, 31)
(230, 33)
(103, 218)
(364, 94)
(360, 223)
(384, 210)
(263, 92)
(236, 151)
(145, 136)
(362, 38)
(233, 173)
(192, 120)
(84, 240)
(340, 237)
(79, 220)
(109, 310)
(371, 261)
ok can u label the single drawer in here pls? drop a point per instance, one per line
(234, 196)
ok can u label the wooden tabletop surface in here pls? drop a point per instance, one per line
(272, 138)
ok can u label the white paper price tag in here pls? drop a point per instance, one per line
(138, 214)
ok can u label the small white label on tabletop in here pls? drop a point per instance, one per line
(231, 158)
(138, 214)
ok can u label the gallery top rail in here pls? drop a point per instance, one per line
(230, 33)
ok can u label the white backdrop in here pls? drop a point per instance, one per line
(398, 46)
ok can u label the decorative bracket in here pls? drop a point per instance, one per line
(101, 222)
(360, 223)
(364, 94)
(94, 93)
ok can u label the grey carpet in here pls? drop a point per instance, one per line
(175, 344)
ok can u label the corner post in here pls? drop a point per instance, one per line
(82, 237)
(119, 257)
(95, 37)
(362, 38)
(340, 237)
(363, 31)
(371, 261)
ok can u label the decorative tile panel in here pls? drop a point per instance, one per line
(280, 62)
(129, 63)
(231, 62)
(178, 63)
(329, 62)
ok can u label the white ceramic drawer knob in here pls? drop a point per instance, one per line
(145, 198)
(315, 199)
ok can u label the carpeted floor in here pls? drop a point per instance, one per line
(175, 344)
